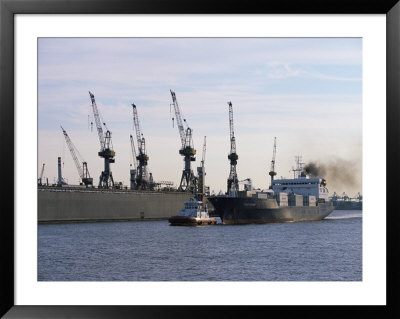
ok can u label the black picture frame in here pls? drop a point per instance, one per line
(9, 8)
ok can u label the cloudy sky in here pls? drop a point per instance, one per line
(306, 92)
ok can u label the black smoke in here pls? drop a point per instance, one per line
(313, 169)
(338, 172)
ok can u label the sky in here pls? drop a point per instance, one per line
(306, 92)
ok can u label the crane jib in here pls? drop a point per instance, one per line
(98, 122)
(178, 117)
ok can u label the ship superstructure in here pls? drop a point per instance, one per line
(301, 184)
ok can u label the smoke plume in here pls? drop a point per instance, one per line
(340, 174)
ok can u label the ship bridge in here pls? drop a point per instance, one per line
(302, 186)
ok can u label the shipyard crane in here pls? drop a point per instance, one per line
(142, 176)
(201, 173)
(106, 151)
(233, 185)
(82, 170)
(272, 172)
(188, 181)
(135, 165)
(41, 176)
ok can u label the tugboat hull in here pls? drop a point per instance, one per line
(191, 221)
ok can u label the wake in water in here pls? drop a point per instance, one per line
(344, 214)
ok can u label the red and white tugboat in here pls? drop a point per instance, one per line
(195, 213)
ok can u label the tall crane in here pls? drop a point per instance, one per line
(106, 151)
(142, 176)
(135, 165)
(272, 172)
(201, 173)
(188, 181)
(82, 170)
(40, 179)
(233, 185)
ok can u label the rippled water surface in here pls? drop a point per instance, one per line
(327, 250)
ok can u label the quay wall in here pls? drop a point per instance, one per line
(85, 205)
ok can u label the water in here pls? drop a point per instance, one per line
(327, 250)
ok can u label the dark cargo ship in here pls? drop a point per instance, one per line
(288, 200)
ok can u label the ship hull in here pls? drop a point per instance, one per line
(63, 204)
(256, 210)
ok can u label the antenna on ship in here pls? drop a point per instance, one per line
(272, 172)
(297, 171)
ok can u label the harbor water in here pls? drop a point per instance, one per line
(327, 250)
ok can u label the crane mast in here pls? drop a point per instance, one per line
(106, 151)
(142, 176)
(135, 164)
(83, 172)
(272, 172)
(233, 185)
(188, 180)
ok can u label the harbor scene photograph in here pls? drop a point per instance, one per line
(223, 165)
(215, 162)
(199, 159)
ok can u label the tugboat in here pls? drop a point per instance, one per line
(195, 212)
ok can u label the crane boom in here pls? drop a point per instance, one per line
(72, 148)
(41, 173)
(204, 151)
(98, 122)
(232, 134)
(272, 172)
(178, 119)
(82, 171)
(273, 156)
(137, 126)
(133, 153)
(203, 174)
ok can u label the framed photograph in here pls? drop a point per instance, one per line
(332, 57)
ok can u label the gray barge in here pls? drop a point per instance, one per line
(79, 204)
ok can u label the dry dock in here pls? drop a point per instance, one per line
(59, 204)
